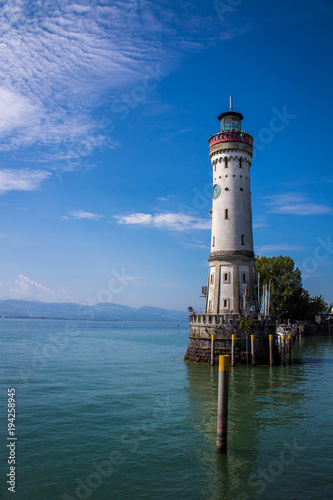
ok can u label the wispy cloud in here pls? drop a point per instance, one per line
(166, 198)
(258, 224)
(295, 204)
(170, 135)
(60, 60)
(26, 286)
(197, 245)
(21, 180)
(82, 214)
(279, 248)
(174, 221)
(328, 179)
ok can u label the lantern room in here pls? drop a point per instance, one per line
(230, 121)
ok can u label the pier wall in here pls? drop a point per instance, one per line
(223, 327)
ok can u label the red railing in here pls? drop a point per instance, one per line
(230, 137)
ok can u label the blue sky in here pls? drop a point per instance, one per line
(105, 113)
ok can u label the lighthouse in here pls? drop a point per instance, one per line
(231, 276)
(231, 289)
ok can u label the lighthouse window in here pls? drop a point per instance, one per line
(240, 163)
(225, 162)
(226, 124)
(213, 241)
(225, 303)
(212, 278)
(215, 167)
(243, 239)
(243, 277)
(226, 175)
(226, 277)
(227, 189)
(241, 189)
(226, 214)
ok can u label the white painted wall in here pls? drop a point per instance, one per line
(228, 233)
(242, 285)
(211, 282)
(226, 288)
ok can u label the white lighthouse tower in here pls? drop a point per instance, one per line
(231, 277)
(230, 293)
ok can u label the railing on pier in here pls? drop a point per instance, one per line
(228, 319)
(213, 319)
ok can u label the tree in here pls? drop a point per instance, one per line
(317, 305)
(246, 325)
(288, 297)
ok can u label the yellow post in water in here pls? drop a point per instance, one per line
(252, 351)
(290, 348)
(233, 345)
(283, 349)
(212, 349)
(222, 404)
(271, 355)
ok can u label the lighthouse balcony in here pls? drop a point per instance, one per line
(230, 136)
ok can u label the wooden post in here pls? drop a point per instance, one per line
(222, 404)
(212, 349)
(290, 348)
(233, 342)
(271, 352)
(253, 358)
(283, 349)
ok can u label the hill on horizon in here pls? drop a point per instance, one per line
(14, 308)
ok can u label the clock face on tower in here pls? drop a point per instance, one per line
(216, 191)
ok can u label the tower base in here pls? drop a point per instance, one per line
(202, 327)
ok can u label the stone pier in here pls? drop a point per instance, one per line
(202, 326)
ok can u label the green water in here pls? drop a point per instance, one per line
(110, 410)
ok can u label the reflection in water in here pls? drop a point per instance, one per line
(268, 420)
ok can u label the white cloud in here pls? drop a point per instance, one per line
(21, 180)
(17, 111)
(26, 286)
(296, 204)
(82, 214)
(174, 221)
(166, 198)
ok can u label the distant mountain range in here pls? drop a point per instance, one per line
(68, 310)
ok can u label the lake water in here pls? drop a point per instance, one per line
(109, 410)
